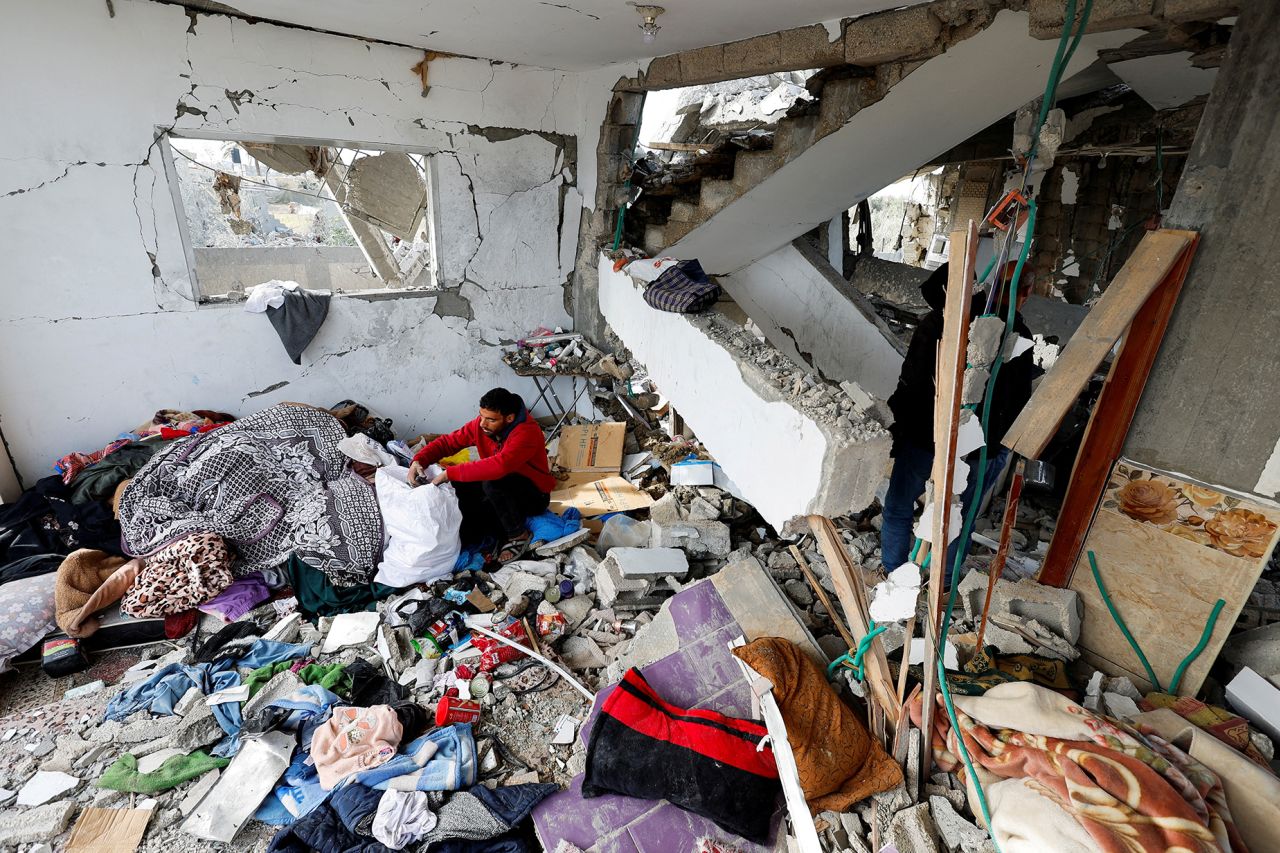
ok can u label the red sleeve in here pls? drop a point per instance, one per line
(519, 448)
(447, 445)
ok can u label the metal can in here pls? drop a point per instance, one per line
(451, 710)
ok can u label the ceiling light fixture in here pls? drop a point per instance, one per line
(649, 28)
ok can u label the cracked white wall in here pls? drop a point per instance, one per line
(99, 325)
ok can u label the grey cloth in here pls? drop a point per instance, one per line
(299, 319)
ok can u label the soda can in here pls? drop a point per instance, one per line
(451, 710)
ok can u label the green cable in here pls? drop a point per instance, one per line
(1124, 629)
(1195, 653)
(622, 208)
(856, 661)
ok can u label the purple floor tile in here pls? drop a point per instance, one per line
(669, 829)
(567, 815)
(697, 611)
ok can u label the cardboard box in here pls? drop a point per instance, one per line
(611, 494)
(590, 452)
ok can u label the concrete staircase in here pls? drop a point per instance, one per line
(867, 128)
(841, 92)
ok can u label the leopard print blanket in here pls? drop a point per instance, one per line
(272, 485)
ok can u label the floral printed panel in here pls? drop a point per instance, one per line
(1224, 522)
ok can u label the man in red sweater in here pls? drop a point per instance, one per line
(509, 482)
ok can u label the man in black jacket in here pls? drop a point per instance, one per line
(912, 407)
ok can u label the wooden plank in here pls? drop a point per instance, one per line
(1159, 543)
(1146, 268)
(1109, 421)
(952, 351)
(996, 568)
(823, 597)
(848, 580)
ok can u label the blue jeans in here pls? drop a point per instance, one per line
(912, 466)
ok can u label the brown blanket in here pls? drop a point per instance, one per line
(840, 763)
(89, 581)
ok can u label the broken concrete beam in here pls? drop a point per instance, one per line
(888, 36)
(709, 372)
(650, 562)
(695, 537)
(1106, 15)
(24, 826)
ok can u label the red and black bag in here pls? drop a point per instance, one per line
(701, 761)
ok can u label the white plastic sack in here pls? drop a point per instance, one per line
(421, 528)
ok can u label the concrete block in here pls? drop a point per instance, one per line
(888, 36)
(1200, 10)
(1107, 15)
(612, 587)
(1059, 610)
(649, 562)
(913, 831)
(956, 833)
(24, 826)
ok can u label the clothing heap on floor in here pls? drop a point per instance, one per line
(199, 513)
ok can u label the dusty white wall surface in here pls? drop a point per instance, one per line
(98, 322)
(806, 316)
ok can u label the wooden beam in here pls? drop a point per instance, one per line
(1110, 420)
(852, 594)
(952, 352)
(996, 568)
(1146, 268)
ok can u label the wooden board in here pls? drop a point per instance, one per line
(1167, 550)
(1109, 421)
(1102, 327)
(852, 594)
(952, 351)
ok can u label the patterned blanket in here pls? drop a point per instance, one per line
(272, 485)
(1130, 789)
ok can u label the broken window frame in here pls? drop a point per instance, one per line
(429, 287)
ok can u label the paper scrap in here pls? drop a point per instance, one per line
(924, 527)
(969, 436)
(114, 830)
(350, 629)
(239, 693)
(566, 730)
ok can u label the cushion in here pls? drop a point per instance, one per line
(839, 762)
(701, 761)
(26, 615)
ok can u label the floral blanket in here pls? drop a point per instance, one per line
(1130, 789)
(272, 485)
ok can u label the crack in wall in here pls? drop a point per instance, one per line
(276, 387)
(569, 8)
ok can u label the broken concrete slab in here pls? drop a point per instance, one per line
(564, 543)
(24, 826)
(202, 786)
(650, 562)
(613, 590)
(1258, 649)
(830, 470)
(45, 785)
(580, 653)
(913, 831)
(956, 833)
(761, 608)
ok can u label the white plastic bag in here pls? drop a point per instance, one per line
(421, 528)
(622, 531)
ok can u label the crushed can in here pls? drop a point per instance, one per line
(451, 709)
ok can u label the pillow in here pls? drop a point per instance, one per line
(840, 763)
(183, 574)
(26, 615)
